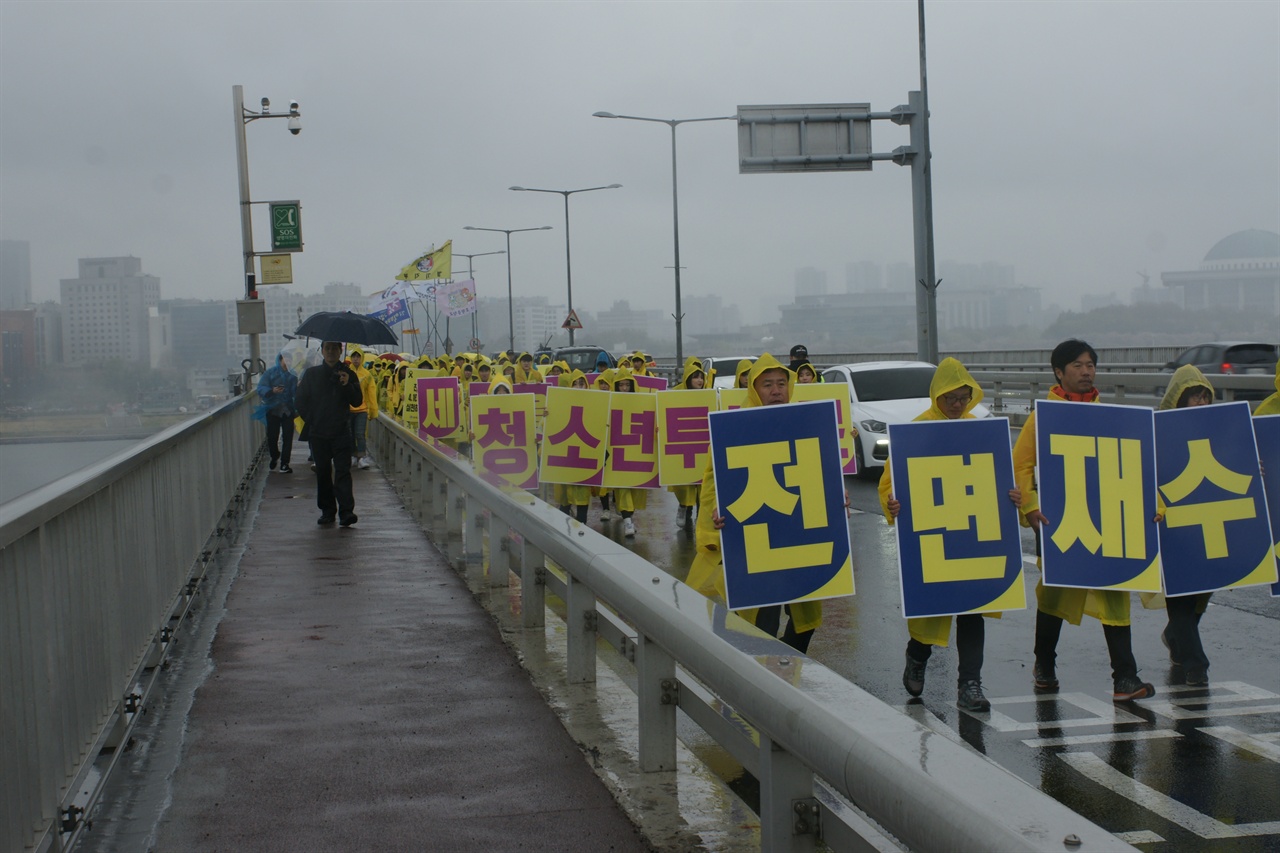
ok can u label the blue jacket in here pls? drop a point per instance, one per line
(282, 403)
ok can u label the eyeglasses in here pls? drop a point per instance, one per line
(955, 400)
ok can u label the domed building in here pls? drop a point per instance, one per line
(1241, 271)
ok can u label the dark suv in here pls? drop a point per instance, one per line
(1230, 357)
(584, 358)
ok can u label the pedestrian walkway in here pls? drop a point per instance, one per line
(360, 698)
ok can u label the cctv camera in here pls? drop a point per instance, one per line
(295, 125)
(266, 105)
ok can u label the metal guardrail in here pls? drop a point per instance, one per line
(827, 754)
(96, 571)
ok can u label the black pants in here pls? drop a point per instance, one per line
(1119, 644)
(333, 474)
(971, 634)
(1183, 632)
(280, 427)
(767, 619)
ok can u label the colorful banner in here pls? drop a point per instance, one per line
(732, 398)
(632, 462)
(684, 439)
(1266, 431)
(959, 548)
(504, 442)
(839, 393)
(781, 491)
(391, 305)
(434, 264)
(539, 392)
(410, 386)
(1095, 463)
(573, 443)
(457, 298)
(477, 388)
(1216, 534)
(439, 405)
(650, 383)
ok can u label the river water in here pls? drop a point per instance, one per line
(24, 467)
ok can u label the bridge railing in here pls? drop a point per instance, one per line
(832, 760)
(95, 571)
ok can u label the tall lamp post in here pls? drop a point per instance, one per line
(675, 210)
(568, 267)
(471, 277)
(511, 314)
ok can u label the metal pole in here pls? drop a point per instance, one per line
(568, 266)
(246, 226)
(930, 281)
(675, 225)
(511, 311)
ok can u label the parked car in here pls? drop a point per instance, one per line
(1231, 357)
(584, 358)
(725, 368)
(883, 393)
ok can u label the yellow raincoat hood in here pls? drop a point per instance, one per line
(499, 380)
(950, 376)
(763, 363)
(1187, 376)
(744, 366)
(691, 366)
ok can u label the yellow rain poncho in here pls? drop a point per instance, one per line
(950, 376)
(706, 575)
(1271, 405)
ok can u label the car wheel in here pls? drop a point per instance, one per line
(863, 471)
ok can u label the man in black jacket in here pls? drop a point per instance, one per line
(325, 396)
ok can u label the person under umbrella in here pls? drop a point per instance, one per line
(325, 397)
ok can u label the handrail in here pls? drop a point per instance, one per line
(93, 570)
(928, 791)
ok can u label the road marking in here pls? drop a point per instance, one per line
(1103, 713)
(1251, 743)
(1140, 836)
(1213, 699)
(1094, 768)
(1109, 737)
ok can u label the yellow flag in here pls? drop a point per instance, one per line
(436, 264)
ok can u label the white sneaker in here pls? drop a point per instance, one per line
(628, 528)
(366, 461)
(604, 515)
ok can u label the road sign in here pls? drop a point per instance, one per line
(572, 321)
(475, 345)
(277, 269)
(804, 138)
(286, 226)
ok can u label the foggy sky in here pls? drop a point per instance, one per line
(1081, 142)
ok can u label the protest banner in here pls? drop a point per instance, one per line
(505, 443)
(573, 442)
(684, 439)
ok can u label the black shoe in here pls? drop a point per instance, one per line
(970, 697)
(349, 519)
(688, 518)
(913, 675)
(273, 465)
(1044, 679)
(1164, 638)
(1196, 678)
(1130, 687)
(325, 519)
(285, 469)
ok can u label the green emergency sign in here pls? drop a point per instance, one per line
(286, 226)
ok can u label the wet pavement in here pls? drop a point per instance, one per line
(1192, 769)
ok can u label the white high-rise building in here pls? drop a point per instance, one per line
(15, 275)
(106, 312)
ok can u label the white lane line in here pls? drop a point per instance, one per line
(1251, 743)
(1140, 836)
(1099, 713)
(1109, 737)
(1093, 767)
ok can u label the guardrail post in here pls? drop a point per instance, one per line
(453, 510)
(658, 694)
(472, 544)
(499, 552)
(580, 628)
(533, 598)
(788, 811)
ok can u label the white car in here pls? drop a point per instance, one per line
(725, 369)
(883, 393)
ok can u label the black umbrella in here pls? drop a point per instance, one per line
(347, 327)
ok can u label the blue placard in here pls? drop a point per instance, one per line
(780, 489)
(1216, 534)
(959, 549)
(1095, 464)
(1266, 430)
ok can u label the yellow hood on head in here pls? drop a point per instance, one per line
(1187, 376)
(950, 376)
(691, 367)
(763, 363)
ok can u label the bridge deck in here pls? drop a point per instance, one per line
(359, 698)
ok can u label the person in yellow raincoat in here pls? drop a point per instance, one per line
(627, 501)
(954, 394)
(525, 371)
(769, 384)
(1074, 363)
(742, 372)
(694, 379)
(1187, 387)
(368, 408)
(1271, 405)
(572, 498)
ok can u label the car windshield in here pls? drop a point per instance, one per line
(892, 383)
(584, 360)
(1252, 354)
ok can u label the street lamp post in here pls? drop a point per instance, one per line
(568, 266)
(470, 277)
(511, 314)
(675, 210)
(242, 118)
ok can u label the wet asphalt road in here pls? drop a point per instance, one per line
(1192, 769)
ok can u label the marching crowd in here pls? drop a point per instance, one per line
(334, 399)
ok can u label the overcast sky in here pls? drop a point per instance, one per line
(1080, 142)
